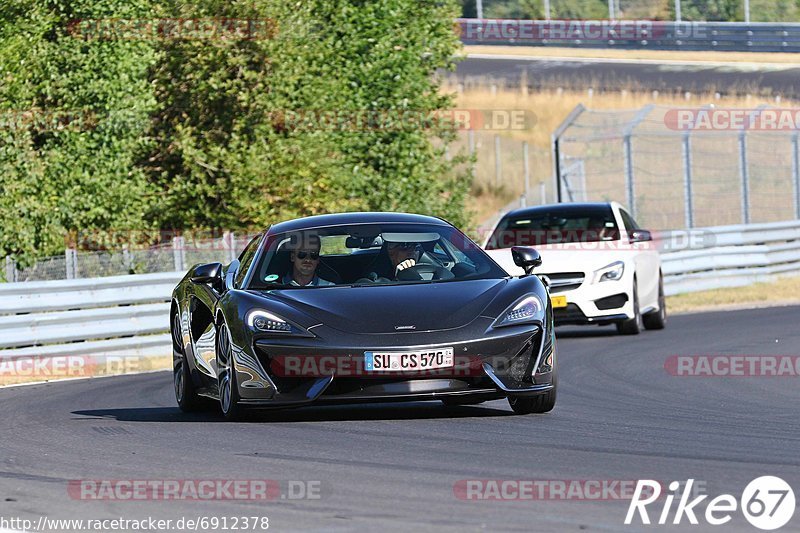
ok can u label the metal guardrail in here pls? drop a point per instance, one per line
(118, 315)
(634, 34)
(128, 315)
(734, 256)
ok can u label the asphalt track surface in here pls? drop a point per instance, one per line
(730, 78)
(392, 467)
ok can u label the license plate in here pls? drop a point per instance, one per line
(408, 361)
(558, 301)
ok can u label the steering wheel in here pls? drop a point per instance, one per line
(414, 273)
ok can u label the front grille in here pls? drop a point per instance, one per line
(569, 314)
(612, 302)
(565, 281)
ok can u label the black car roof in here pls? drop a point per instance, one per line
(337, 219)
(564, 208)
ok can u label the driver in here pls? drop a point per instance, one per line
(394, 257)
(403, 255)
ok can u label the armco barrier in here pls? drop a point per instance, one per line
(128, 315)
(119, 315)
(634, 34)
(734, 256)
(722, 256)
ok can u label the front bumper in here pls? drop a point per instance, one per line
(518, 362)
(601, 303)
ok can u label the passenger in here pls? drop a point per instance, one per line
(305, 260)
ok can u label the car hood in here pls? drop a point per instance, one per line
(564, 258)
(382, 309)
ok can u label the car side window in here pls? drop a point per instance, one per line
(627, 219)
(245, 259)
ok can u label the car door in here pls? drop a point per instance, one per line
(647, 263)
(203, 300)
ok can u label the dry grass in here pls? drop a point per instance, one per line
(112, 368)
(784, 291)
(757, 58)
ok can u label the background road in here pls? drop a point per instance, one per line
(730, 78)
(619, 415)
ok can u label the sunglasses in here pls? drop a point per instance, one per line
(404, 245)
(302, 255)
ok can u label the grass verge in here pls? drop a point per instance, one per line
(762, 59)
(38, 369)
(783, 291)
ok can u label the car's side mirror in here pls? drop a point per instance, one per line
(526, 258)
(210, 273)
(641, 235)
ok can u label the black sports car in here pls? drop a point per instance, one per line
(363, 307)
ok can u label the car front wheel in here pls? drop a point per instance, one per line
(658, 319)
(185, 392)
(543, 403)
(632, 326)
(226, 381)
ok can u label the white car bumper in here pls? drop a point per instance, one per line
(590, 302)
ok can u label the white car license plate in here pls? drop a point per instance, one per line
(408, 361)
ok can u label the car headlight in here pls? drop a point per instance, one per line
(528, 309)
(612, 272)
(265, 321)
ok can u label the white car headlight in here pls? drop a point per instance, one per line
(265, 321)
(526, 310)
(612, 272)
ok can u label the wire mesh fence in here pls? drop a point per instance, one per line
(684, 168)
(177, 254)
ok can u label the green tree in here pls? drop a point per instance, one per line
(67, 141)
(224, 157)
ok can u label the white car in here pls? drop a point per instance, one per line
(601, 267)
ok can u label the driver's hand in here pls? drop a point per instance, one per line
(405, 264)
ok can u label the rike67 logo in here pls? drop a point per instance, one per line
(767, 502)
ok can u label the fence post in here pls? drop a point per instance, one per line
(474, 164)
(629, 129)
(179, 253)
(498, 169)
(555, 141)
(234, 255)
(796, 174)
(745, 175)
(686, 152)
(11, 269)
(629, 185)
(69, 263)
(526, 169)
(127, 259)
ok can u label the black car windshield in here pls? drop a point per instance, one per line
(555, 225)
(370, 254)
